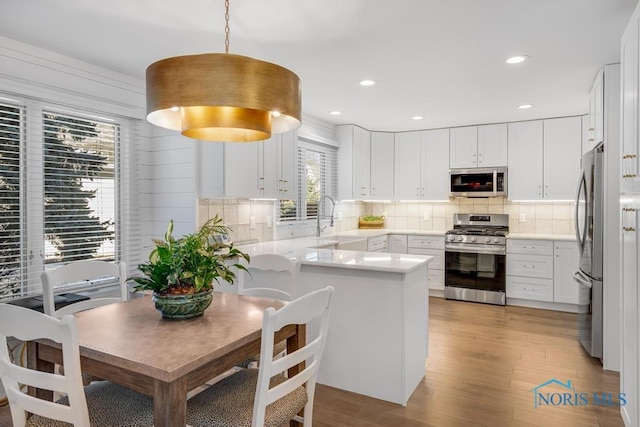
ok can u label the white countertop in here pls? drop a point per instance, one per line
(314, 250)
(372, 261)
(565, 237)
(373, 232)
(310, 251)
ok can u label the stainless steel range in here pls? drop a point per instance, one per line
(475, 256)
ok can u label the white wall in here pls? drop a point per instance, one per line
(161, 174)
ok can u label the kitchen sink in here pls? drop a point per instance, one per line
(342, 243)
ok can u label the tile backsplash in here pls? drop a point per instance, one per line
(254, 220)
(524, 217)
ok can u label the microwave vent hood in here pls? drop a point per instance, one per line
(478, 182)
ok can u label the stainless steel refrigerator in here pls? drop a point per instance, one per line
(589, 224)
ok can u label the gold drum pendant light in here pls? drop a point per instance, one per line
(223, 97)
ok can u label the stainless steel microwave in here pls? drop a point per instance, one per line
(478, 182)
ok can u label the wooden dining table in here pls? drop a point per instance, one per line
(131, 344)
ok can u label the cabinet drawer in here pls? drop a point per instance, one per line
(438, 261)
(534, 247)
(426, 242)
(530, 288)
(435, 279)
(530, 266)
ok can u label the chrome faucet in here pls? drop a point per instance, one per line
(333, 208)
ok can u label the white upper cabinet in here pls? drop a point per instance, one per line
(421, 166)
(354, 162)
(382, 165)
(261, 169)
(434, 172)
(525, 160)
(478, 146)
(629, 168)
(241, 170)
(287, 168)
(492, 145)
(596, 111)
(210, 164)
(268, 167)
(407, 161)
(562, 154)
(463, 147)
(361, 163)
(544, 159)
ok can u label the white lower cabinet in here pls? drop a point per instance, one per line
(542, 270)
(529, 288)
(433, 246)
(566, 258)
(538, 266)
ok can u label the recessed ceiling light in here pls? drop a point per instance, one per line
(517, 59)
(525, 106)
(335, 113)
(417, 117)
(367, 83)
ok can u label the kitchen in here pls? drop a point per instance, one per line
(190, 182)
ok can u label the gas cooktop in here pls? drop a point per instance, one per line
(475, 229)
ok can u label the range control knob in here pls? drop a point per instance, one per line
(452, 238)
(474, 238)
(460, 238)
(496, 240)
(487, 239)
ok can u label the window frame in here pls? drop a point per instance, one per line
(328, 184)
(32, 239)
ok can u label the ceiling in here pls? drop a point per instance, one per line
(440, 59)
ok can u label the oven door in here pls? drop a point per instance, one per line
(484, 274)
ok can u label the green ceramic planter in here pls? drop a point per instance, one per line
(183, 306)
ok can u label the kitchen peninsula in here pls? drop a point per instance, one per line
(378, 333)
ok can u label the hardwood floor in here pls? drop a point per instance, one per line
(483, 362)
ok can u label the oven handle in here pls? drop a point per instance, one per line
(486, 251)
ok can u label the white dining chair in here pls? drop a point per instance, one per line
(77, 272)
(269, 276)
(265, 396)
(100, 404)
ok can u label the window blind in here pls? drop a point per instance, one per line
(66, 192)
(317, 177)
(11, 189)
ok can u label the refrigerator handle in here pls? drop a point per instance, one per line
(579, 238)
(579, 277)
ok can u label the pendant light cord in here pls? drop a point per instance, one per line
(226, 26)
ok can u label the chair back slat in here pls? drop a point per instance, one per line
(78, 272)
(293, 383)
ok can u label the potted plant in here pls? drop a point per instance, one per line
(180, 272)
